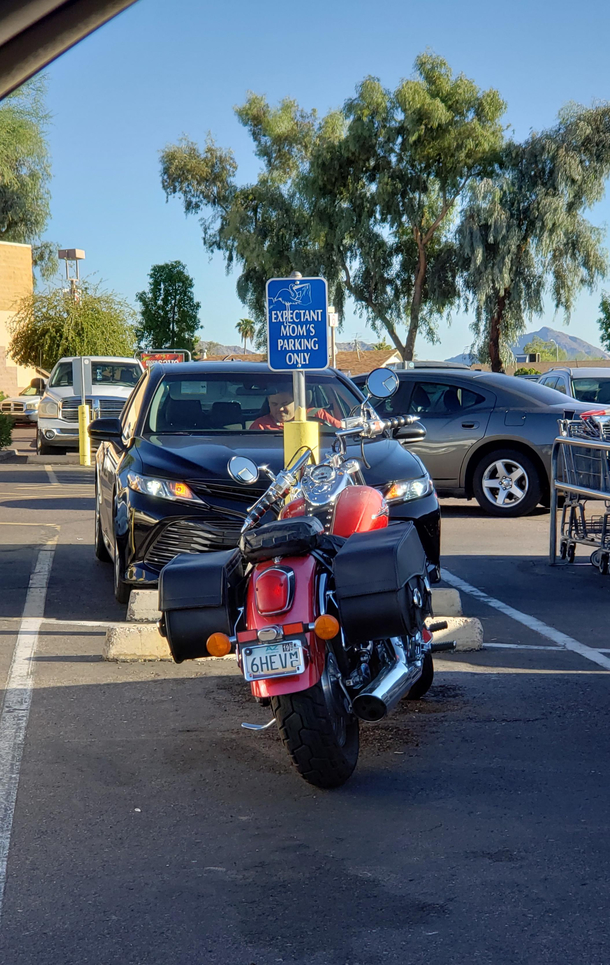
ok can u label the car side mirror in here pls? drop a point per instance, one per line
(105, 430)
(414, 433)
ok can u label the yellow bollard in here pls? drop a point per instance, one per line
(84, 442)
(297, 434)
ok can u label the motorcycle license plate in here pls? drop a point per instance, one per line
(282, 659)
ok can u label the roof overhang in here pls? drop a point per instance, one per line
(35, 32)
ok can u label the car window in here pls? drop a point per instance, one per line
(550, 383)
(398, 404)
(592, 390)
(62, 375)
(561, 386)
(132, 409)
(30, 390)
(102, 373)
(438, 398)
(221, 402)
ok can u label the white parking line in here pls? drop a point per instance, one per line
(52, 477)
(18, 700)
(532, 623)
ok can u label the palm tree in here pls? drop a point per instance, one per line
(246, 329)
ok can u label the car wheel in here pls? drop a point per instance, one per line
(507, 483)
(101, 552)
(122, 589)
(43, 448)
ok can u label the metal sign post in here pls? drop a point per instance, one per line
(297, 339)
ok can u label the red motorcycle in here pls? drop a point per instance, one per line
(325, 605)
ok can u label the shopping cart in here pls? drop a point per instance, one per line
(580, 472)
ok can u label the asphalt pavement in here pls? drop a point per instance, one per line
(149, 827)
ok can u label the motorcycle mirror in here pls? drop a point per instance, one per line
(242, 470)
(382, 383)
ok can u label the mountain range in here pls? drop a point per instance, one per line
(573, 346)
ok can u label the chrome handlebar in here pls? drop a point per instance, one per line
(288, 478)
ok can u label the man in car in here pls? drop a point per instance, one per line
(281, 410)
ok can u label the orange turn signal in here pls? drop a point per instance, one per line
(326, 627)
(218, 645)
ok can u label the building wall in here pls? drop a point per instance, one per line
(15, 284)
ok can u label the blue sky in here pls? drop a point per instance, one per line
(163, 69)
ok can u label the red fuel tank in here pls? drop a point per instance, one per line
(359, 509)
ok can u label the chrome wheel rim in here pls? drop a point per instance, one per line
(505, 483)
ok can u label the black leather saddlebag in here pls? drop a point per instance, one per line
(282, 537)
(381, 585)
(199, 594)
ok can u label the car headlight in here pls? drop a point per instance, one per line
(48, 408)
(31, 406)
(406, 489)
(163, 488)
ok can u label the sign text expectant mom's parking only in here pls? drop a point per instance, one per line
(297, 324)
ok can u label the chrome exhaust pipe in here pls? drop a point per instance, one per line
(390, 686)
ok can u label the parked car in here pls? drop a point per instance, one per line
(113, 380)
(488, 435)
(161, 479)
(590, 385)
(23, 408)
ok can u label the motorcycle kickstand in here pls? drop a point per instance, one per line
(259, 726)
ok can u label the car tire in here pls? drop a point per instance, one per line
(122, 589)
(507, 483)
(101, 551)
(43, 448)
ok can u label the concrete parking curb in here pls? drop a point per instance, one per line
(7, 454)
(466, 631)
(136, 642)
(143, 607)
(447, 602)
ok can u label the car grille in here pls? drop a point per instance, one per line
(12, 407)
(186, 536)
(100, 408)
(245, 495)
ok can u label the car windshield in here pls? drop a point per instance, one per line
(592, 390)
(102, 373)
(225, 403)
(30, 390)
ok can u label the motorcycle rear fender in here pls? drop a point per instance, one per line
(302, 610)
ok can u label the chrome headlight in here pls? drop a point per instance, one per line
(31, 406)
(407, 489)
(163, 488)
(48, 408)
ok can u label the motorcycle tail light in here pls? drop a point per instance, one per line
(274, 590)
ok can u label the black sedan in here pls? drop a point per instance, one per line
(487, 435)
(162, 485)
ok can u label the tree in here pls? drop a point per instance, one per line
(547, 351)
(247, 329)
(169, 314)
(363, 196)
(523, 234)
(52, 324)
(604, 320)
(25, 172)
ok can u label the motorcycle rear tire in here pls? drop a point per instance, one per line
(422, 686)
(316, 750)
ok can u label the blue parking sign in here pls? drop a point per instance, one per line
(297, 324)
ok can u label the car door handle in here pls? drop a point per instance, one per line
(470, 425)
